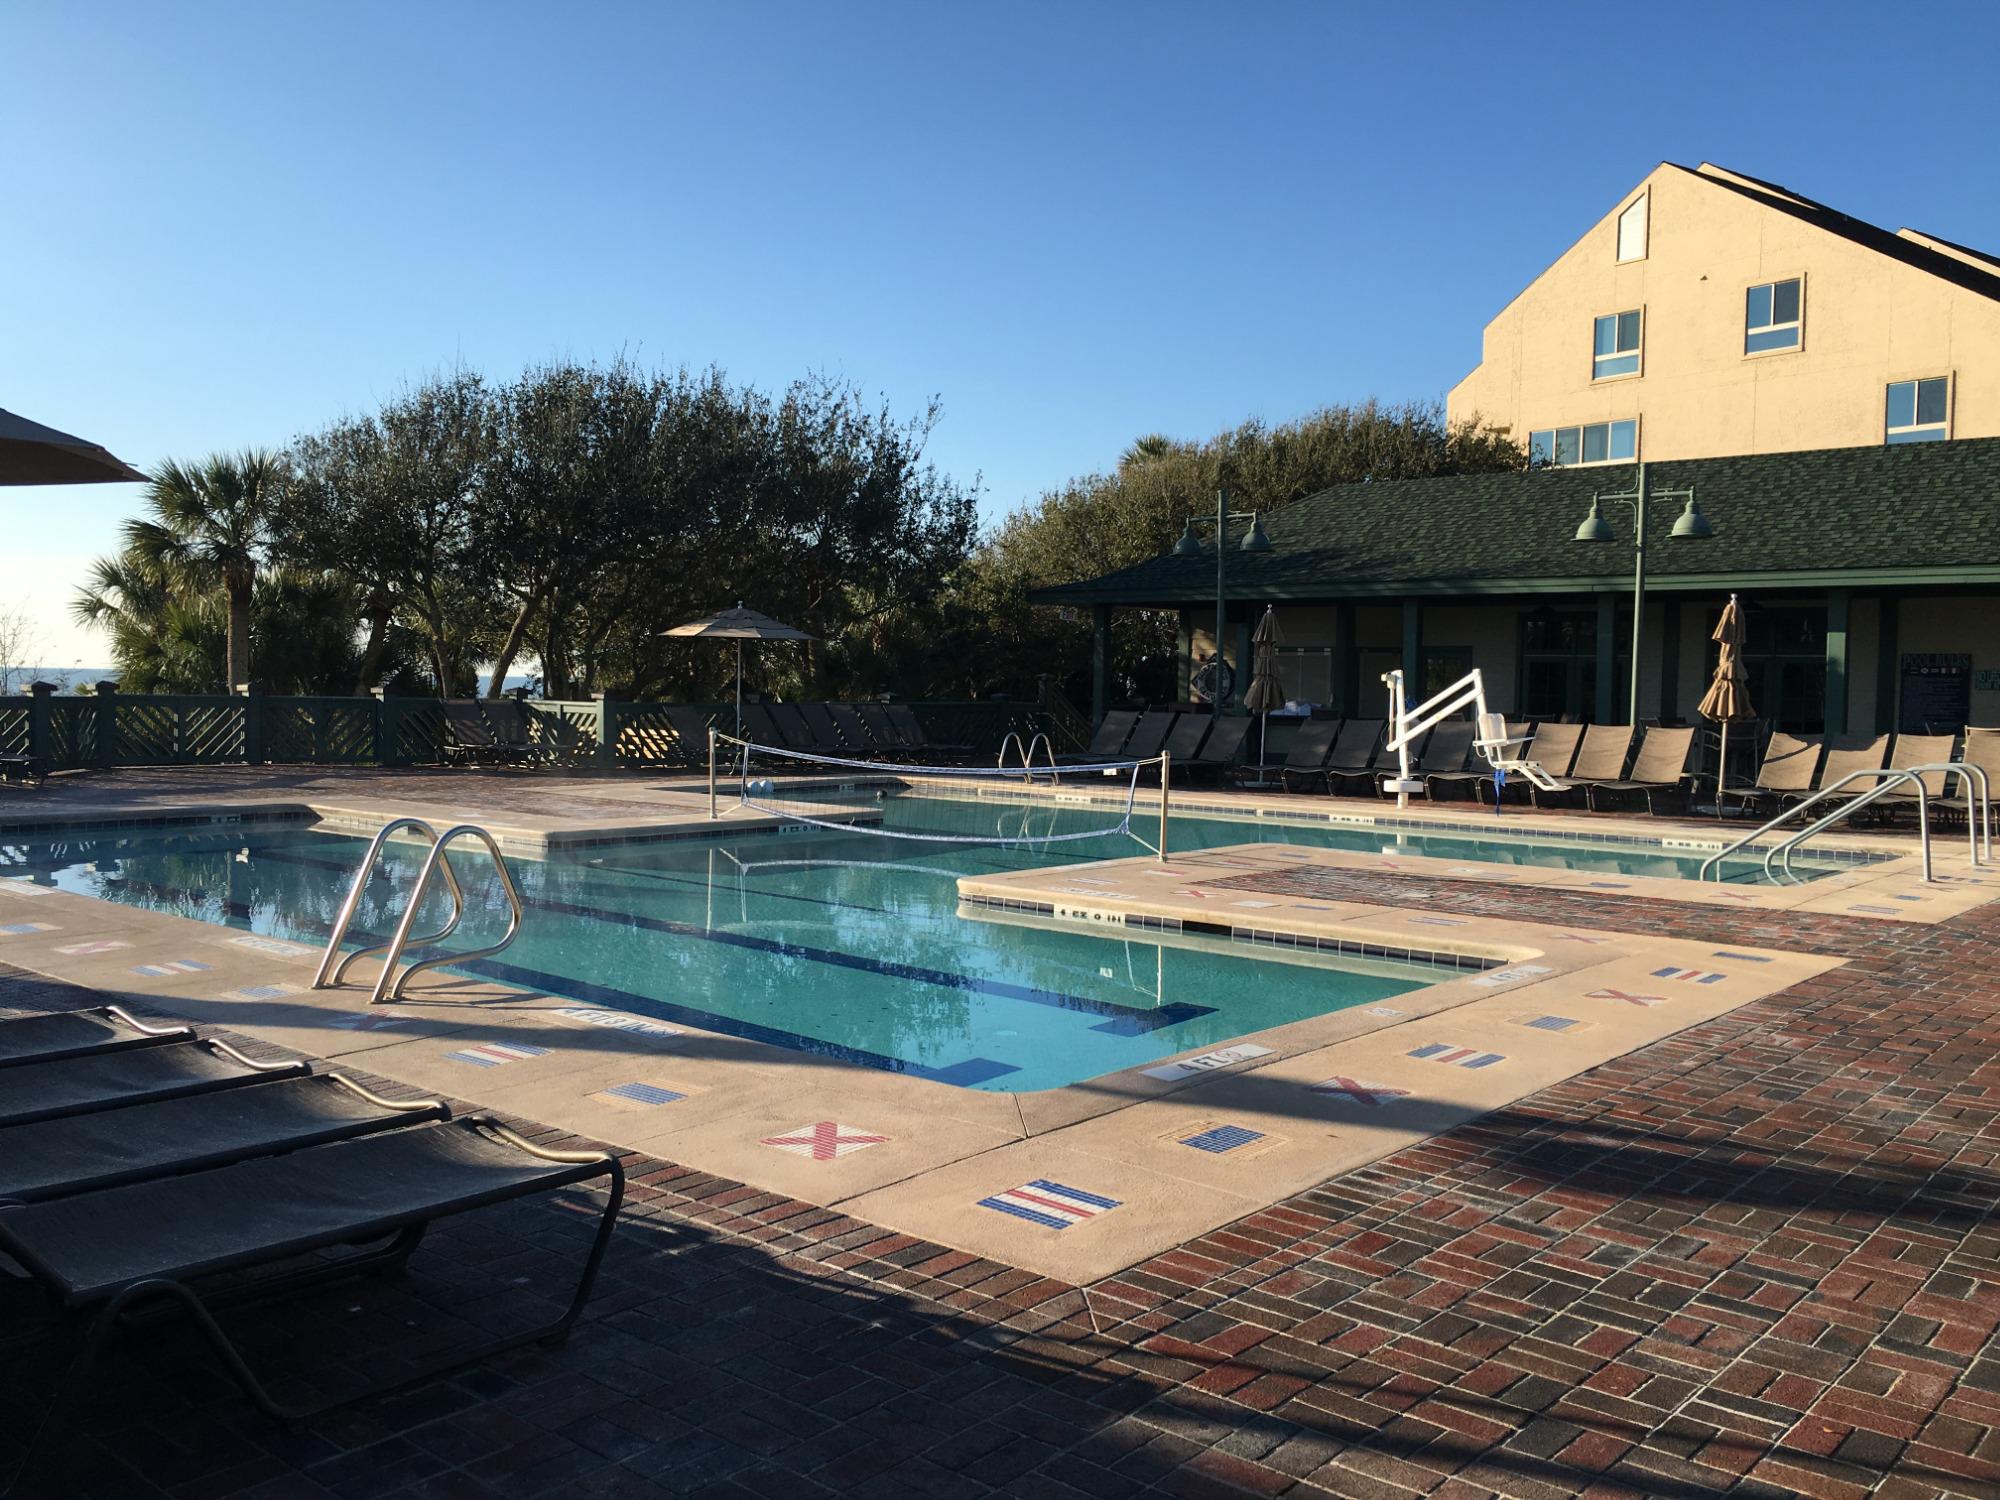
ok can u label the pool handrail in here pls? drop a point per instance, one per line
(1888, 781)
(322, 979)
(1975, 815)
(389, 985)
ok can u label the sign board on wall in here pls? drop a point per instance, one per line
(1936, 691)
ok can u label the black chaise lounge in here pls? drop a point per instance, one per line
(154, 1201)
(79, 1085)
(79, 1033)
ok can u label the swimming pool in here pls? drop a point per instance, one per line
(844, 945)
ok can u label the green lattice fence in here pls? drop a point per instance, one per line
(321, 731)
(172, 729)
(644, 737)
(72, 733)
(16, 727)
(565, 725)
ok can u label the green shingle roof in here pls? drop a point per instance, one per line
(1915, 513)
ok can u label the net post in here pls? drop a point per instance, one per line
(711, 773)
(1166, 776)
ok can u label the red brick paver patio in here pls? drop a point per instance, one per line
(1756, 1259)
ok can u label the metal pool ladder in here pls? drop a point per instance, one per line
(333, 966)
(1778, 857)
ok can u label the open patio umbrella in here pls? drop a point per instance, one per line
(1728, 697)
(739, 625)
(33, 454)
(1266, 690)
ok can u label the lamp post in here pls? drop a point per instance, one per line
(1190, 546)
(1691, 525)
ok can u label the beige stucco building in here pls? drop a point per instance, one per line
(1717, 314)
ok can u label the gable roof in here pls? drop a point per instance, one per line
(1961, 273)
(1917, 512)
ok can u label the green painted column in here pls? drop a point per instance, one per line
(1240, 629)
(1888, 666)
(1347, 647)
(1836, 661)
(1607, 710)
(1670, 660)
(1413, 652)
(1100, 661)
(1183, 658)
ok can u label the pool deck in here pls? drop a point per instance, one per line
(1340, 1145)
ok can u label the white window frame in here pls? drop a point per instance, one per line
(1950, 400)
(1800, 323)
(1578, 428)
(1644, 203)
(1640, 350)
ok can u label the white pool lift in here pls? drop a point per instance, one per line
(1408, 725)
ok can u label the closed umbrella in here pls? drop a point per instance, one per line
(1728, 697)
(1266, 690)
(739, 625)
(33, 454)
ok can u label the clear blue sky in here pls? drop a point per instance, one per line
(1076, 223)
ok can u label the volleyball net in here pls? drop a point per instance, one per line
(1031, 807)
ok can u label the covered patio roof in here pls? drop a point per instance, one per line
(1921, 513)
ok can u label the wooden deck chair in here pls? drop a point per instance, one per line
(1600, 757)
(1661, 769)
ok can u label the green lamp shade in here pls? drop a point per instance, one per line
(1595, 528)
(1187, 546)
(1693, 525)
(1256, 541)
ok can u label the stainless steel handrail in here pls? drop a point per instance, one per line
(1975, 814)
(1978, 815)
(1027, 753)
(1889, 781)
(331, 966)
(389, 986)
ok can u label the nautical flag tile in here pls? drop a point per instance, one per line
(1585, 937)
(1608, 885)
(1439, 921)
(1383, 1010)
(22, 929)
(259, 992)
(1691, 976)
(1254, 904)
(102, 945)
(170, 967)
(1742, 958)
(824, 1140)
(1050, 1203)
(640, 1095)
(1626, 996)
(1355, 1091)
(1892, 898)
(1191, 891)
(1874, 907)
(1457, 1057)
(494, 1054)
(369, 1020)
(276, 947)
(1219, 1138)
(1553, 1023)
(1208, 1062)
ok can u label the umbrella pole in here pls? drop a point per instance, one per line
(739, 690)
(1264, 748)
(1722, 770)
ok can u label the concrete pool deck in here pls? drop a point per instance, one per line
(1157, 1154)
(1754, 1257)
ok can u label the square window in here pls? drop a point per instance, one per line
(1917, 411)
(1771, 316)
(1615, 345)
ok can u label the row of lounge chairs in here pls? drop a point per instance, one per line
(506, 732)
(144, 1164)
(841, 731)
(1796, 767)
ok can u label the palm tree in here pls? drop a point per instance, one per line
(208, 530)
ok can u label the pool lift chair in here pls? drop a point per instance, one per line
(1499, 749)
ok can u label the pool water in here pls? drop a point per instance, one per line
(844, 945)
